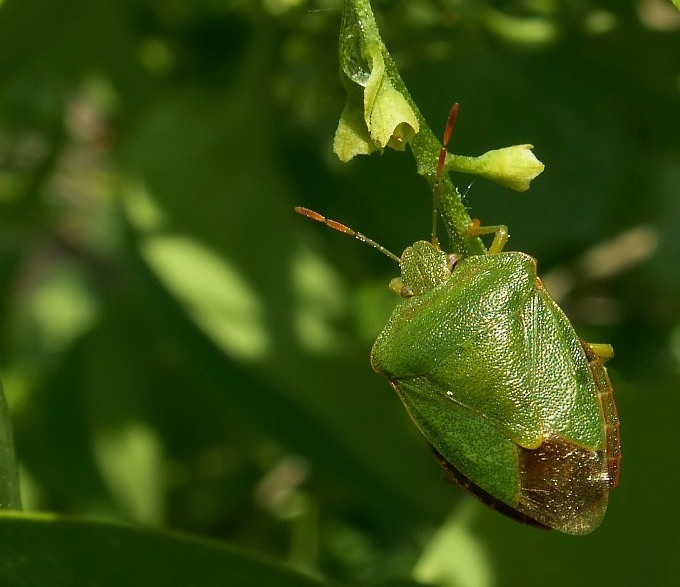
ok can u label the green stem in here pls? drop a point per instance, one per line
(359, 30)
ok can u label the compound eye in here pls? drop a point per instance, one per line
(406, 292)
(452, 260)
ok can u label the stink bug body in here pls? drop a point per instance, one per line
(517, 408)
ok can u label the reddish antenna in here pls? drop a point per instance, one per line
(335, 225)
(448, 131)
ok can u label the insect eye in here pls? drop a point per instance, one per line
(452, 260)
(406, 292)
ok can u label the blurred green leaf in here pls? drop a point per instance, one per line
(136, 385)
(455, 557)
(45, 550)
(9, 470)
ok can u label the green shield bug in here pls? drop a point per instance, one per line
(518, 409)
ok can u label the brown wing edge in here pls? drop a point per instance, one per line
(554, 464)
(456, 477)
(605, 393)
(564, 485)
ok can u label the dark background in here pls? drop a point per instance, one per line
(179, 349)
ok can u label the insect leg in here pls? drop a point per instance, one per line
(602, 350)
(499, 231)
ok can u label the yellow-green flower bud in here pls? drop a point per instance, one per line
(513, 167)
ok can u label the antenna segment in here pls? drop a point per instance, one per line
(448, 131)
(346, 230)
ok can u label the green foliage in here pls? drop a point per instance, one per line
(180, 350)
(42, 550)
(9, 470)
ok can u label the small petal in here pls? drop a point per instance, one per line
(352, 137)
(377, 114)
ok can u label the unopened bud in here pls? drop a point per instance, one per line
(513, 167)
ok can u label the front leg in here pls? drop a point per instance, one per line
(499, 231)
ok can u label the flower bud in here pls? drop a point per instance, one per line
(513, 167)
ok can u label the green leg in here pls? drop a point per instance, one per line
(499, 231)
(604, 351)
